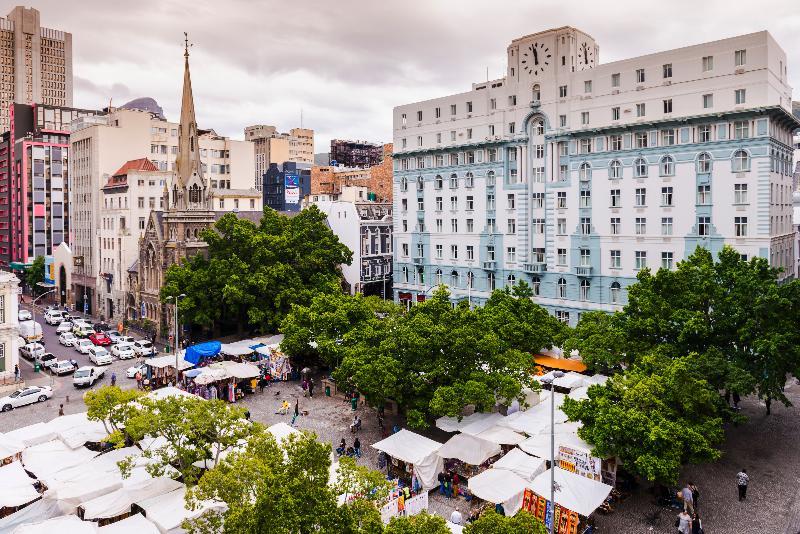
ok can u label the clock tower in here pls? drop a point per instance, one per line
(550, 55)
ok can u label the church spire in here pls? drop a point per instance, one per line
(188, 160)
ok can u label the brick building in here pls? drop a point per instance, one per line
(329, 180)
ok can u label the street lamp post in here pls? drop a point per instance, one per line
(33, 305)
(177, 344)
(548, 380)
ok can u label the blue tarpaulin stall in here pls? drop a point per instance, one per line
(196, 353)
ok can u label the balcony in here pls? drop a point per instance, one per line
(418, 260)
(583, 271)
(489, 265)
(534, 267)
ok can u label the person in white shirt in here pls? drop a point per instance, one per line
(456, 518)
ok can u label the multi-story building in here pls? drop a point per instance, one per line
(9, 325)
(574, 175)
(271, 146)
(355, 153)
(365, 227)
(330, 179)
(34, 181)
(100, 148)
(286, 186)
(36, 63)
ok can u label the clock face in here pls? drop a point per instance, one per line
(585, 55)
(536, 58)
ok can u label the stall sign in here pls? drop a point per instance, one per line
(579, 461)
(567, 521)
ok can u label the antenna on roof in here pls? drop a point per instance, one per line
(301, 118)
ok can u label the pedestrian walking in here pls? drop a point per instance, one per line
(311, 388)
(688, 500)
(684, 523)
(357, 447)
(441, 480)
(742, 480)
(305, 387)
(736, 399)
(296, 411)
(138, 380)
(17, 373)
(113, 379)
(60, 410)
(695, 495)
(697, 525)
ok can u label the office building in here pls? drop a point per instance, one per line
(272, 146)
(355, 153)
(330, 179)
(285, 186)
(574, 175)
(9, 326)
(36, 63)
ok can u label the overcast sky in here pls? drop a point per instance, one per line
(347, 63)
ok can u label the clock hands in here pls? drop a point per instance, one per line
(535, 55)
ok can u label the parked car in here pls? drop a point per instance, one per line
(130, 372)
(83, 345)
(53, 316)
(82, 329)
(100, 356)
(101, 327)
(67, 339)
(64, 326)
(144, 348)
(87, 376)
(24, 396)
(30, 331)
(99, 338)
(114, 335)
(46, 359)
(123, 351)
(62, 367)
(24, 315)
(32, 350)
(125, 339)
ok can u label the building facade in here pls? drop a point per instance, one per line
(573, 175)
(34, 181)
(355, 153)
(272, 146)
(36, 63)
(285, 186)
(330, 179)
(9, 324)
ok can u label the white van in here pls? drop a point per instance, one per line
(53, 317)
(86, 376)
(100, 356)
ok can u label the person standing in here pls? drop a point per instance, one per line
(684, 523)
(456, 517)
(17, 373)
(60, 410)
(697, 525)
(311, 387)
(695, 495)
(357, 447)
(688, 500)
(742, 480)
(296, 411)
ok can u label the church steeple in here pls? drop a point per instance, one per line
(189, 183)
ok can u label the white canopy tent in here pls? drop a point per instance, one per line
(119, 502)
(10, 446)
(581, 393)
(235, 349)
(533, 420)
(523, 465)
(600, 380)
(539, 445)
(577, 493)
(452, 424)
(170, 391)
(168, 511)
(168, 360)
(67, 524)
(416, 450)
(501, 435)
(240, 370)
(282, 431)
(16, 487)
(76, 429)
(35, 512)
(469, 449)
(499, 486)
(477, 426)
(31, 435)
(46, 459)
(135, 524)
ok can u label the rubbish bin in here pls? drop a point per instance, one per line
(354, 402)
(36, 367)
(327, 391)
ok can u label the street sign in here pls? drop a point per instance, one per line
(77, 261)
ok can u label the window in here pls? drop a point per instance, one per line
(405, 249)
(641, 197)
(141, 202)
(561, 226)
(704, 163)
(512, 226)
(453, 109)
(739, 96)
(640, 110)
(616, 289)
(510, 201)
(668, 137)
(668, 105)
(562, 316)
(641, 225)
(666, 225)
(438, 182)
(538, 226)
(584, 117)
(512, 100)
(420, 204)
(492, 152)
(470, 226)
(470, 252)
(708, 101)
(615, 116)
(437, 113)
(453, 138)
(667, 166)
(562, 288)
(666, 196)
(469, 107)
(640, 168)
(740, 226)
(420, 250)
(586, 225)
(454, 252)
(536, 284)
(615, 170)
(493, 103)
(704, 194)
(470, 280)
(469, 136)
(538, 151)
(561, 200)
(666, 260)
(512, 127)
(562, 121)
(490, 252)
(615, 142)
(454, 225)
(490, 201)
(740, 57)
(438, 203)
(511, 280)
(453, 181)
(438, 276)
(615, 225)
(419, 143)
(404, 204)
(453, 203)
(585, 172)
(562, 91)
(616, 259)
(639, 75)
(586, 146)
(640, 259)
(404, 143)
(615, 198)
(490, 281)
(470, 203)
(511, 254)
(538, 200)
(584, 295)
(704, 133)
(585, 199)
(667, 69)
(469, 180)
(439, 225)
(454, 279)
(490, 178)
(615, 80)
(741, 161)
(708, 63)
(704, 226)
(741, 129)
(419, 116)
(740, 193)
(641, 140)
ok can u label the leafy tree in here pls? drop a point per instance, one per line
(287, 260)
(655, 417)
(423, 523)
(490, 522)
(113, 407)
(34, 275)
(600, 340)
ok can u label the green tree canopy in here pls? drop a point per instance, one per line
(490, 522)
(423, 523)
(34, 275)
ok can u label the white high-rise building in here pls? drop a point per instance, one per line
(573, 174)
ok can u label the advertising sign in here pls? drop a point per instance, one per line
(566, 521)
(49, 271)
(579, 461)
(291, 186)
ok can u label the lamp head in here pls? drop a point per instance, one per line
(558, 374)
(546, 380)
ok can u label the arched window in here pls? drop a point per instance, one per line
(540, 128)
(667, 166)
(562, 288)
(453, 181)
(420, 183)
(421, 275)
(511, 280)
(490, 178)
(615, 170)
(438, 182)
(469, 180)
(536, 283)
(640, 168)
(403, 184)
(704, 163)
(194, 194)
(405, 274)
(470, 280)
(490, 281)
(438, 277)
(741, 161)
(615, 292)
(537, 93)
(585, 172)
(585, 285)
(454, 279)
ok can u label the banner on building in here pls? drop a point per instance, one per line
(579, 461)
(291, 186)
(49, 271)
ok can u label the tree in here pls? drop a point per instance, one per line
(600, 340)
(113, 407)
(655, 417)
(287, 260)
(34, 275)
(490, 522)
(423, 523)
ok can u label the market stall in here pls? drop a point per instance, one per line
(501, 435)
(524, 465)
(162, 369)
(10, 449)
(169, 510)
(16, 488)
(417, 454)
(118, 502)
(68, 523)
(135, 524)
(276, 364)
(76, 429)
(32, 434)
(452, 424)
(282, 431)
(46, 459)
(470, 450)
(540, 444)
(576, 499)
(499, 486)
(196, 354)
